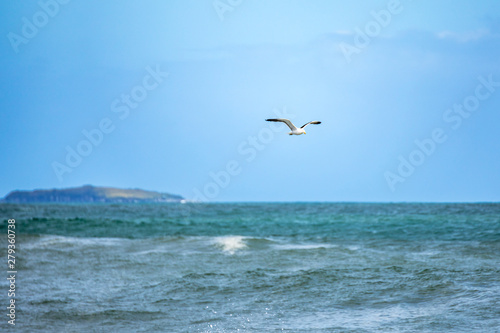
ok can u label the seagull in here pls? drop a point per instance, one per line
(295, 130)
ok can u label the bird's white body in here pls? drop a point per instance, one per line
(295, 130)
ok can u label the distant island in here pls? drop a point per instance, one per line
(89, 193)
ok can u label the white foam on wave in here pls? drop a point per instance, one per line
(153, 251)
(55, 241)
(304, 246)
(367, 318)
(230, 244)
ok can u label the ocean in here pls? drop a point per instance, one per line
(253, 267)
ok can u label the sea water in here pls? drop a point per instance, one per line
(254, 267)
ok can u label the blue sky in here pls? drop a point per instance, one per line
(172, 96)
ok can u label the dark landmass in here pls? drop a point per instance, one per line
(89, 193)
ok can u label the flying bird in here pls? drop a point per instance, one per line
(295, 130)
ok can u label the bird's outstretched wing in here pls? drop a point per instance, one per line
(286, 121)
(311, 122)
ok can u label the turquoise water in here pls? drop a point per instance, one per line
(295, 267)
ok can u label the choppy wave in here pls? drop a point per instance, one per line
(230, 244)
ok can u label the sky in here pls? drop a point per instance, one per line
(172, 96)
